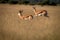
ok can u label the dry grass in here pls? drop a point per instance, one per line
(40, 28)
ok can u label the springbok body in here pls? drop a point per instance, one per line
(40, 13)
(28, 17)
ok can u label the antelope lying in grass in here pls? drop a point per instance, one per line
(28, 17)
(40, 13)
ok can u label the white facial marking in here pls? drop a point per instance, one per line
(19, 14)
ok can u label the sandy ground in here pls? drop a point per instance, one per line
(40, 28)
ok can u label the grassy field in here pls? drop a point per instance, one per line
(40, 28)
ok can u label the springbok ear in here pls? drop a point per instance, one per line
(20, 11)
(33, 7)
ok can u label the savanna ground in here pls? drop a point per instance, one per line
(40, 28)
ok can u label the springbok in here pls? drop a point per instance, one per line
(40, 13)
(28, 17)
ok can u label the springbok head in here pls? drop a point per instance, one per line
(20, 12)
(33, 7)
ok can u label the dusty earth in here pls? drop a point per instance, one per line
(40, 28)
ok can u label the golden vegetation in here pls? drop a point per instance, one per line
(40, 28)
